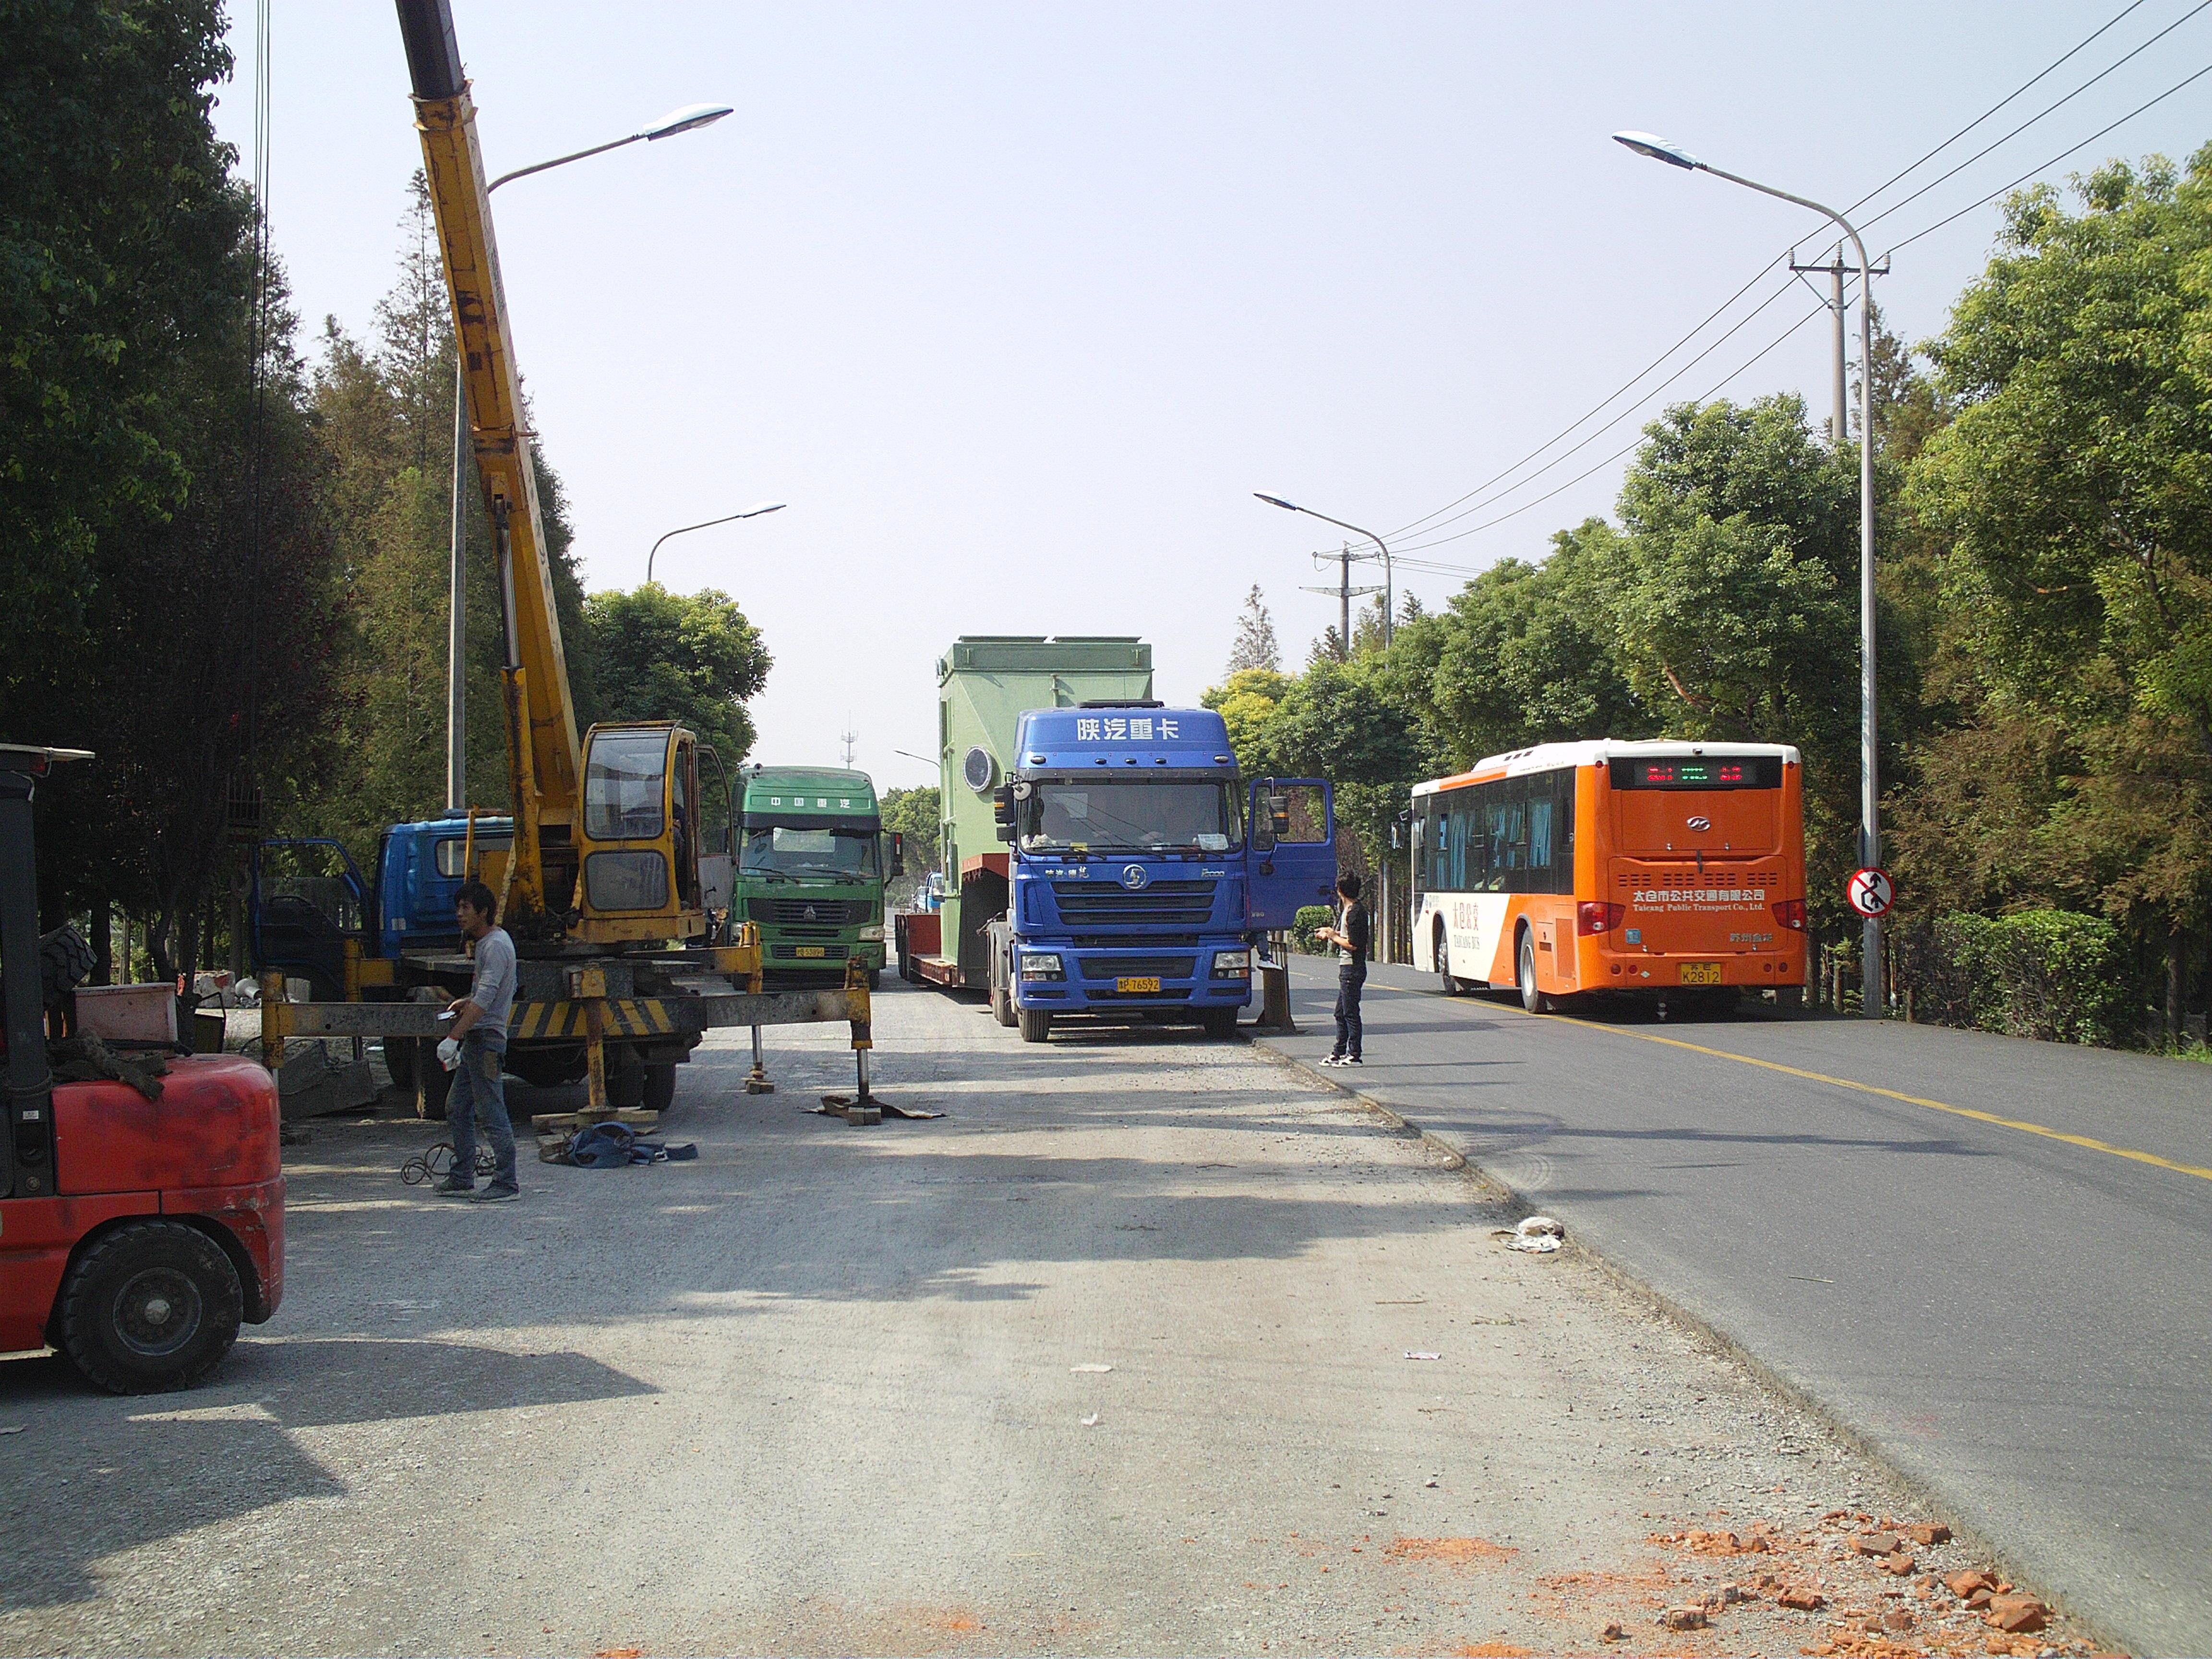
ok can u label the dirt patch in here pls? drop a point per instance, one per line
(1459, 1550)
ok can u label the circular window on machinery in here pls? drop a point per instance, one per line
(980, 769)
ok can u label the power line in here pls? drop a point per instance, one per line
(2032, 120)
(2053, 161)
(1432, 519)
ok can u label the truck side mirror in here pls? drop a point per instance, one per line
(1264, 833)
(898, 853)
(1002, 810)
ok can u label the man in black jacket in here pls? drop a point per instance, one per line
(1351, 937)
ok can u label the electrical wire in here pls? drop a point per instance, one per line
(2032, 120)
(2052, 162)
(1434, 519)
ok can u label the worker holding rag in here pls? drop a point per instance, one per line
(1351, 936)
(472, 1052)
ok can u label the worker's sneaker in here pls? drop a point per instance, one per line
(454, 1186)
(495, 1196)
(1333, 1060)
(1351, 1060)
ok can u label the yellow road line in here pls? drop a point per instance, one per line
(2090, 1142)
(2021, 1124)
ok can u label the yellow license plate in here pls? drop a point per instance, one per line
(816, 950)
(1701, 973)
(1129, 983)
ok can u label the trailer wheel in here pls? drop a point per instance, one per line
(1036, 1025)
(152, 1306)
(433, 1082)
(659, 1087)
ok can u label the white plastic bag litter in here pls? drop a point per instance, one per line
(1539, 1235)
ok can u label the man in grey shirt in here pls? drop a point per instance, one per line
(473, 1051)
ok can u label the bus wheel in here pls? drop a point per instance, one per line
(1531, 999)
(1444, 964)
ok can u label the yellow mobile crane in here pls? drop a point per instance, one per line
(606, 844)
(602, 887)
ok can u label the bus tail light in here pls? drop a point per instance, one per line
(1596, 916)
(1791, 914)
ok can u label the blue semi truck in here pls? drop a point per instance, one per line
(1143, 868)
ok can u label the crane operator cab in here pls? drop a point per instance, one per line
(644, 834)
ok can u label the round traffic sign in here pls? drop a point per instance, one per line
(1871, 892)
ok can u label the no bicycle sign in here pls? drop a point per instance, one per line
(1871, 892)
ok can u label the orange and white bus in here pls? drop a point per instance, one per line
(1663, 867)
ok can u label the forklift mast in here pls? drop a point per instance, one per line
(29, 1150)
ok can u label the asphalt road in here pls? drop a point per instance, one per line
(1150, 1344)
(2019, 1320)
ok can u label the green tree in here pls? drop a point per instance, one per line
(2072, 498)
(692, 658)
(121, 237)
(1247, 702)
(1254, 645)
(916, 814)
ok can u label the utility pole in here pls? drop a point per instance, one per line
(1344, 591)
(1836, 270)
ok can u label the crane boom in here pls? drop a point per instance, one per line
(544, 764)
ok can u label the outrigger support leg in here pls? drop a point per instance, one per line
(863, 1107)
(758, 1083)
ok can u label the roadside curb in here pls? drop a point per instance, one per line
(1704, 1333)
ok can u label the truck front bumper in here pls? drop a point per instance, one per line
(1093, 980)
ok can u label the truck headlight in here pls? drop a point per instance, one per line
(1232, 964)
(1042, 964)
(873, 932)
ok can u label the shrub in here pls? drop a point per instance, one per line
(1309, 917)
(2053, 974)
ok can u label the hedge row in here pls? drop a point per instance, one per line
(2055, 975)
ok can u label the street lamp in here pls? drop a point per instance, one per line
(727, 518)
(1389, 596)
(924, 759)
(1871, 1000)
(684, 119)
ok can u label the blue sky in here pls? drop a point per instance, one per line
(1016, 305)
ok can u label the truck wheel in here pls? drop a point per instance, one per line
(1218, 1022)
(433, 1082)
(399, 1057)
(659, 1087)
(1002, 1005)
(875, 979)
(1036, 1025)
(152, 1306)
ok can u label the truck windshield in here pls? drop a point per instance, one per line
(782, 850)
(1129, 814)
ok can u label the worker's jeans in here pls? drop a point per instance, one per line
(480, 1096)
(1351, 978)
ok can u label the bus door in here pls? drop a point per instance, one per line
(1291, 850)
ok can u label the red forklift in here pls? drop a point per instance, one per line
(134, 1234)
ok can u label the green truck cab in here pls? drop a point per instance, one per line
(812, 857)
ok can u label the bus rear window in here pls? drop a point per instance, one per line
(1698, 772)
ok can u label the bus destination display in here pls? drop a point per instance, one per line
(1687, 772)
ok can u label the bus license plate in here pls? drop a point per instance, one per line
(1701, 973)
(1131, 984)
(816, 949)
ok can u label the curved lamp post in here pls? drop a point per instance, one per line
(727, 518)
(1871, 1000)
(1389, 596)
(685, 119)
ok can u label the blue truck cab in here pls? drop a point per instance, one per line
(1144, 868)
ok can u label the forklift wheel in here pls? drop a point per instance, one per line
(1036, 1023)
(433, 1082)
(659, 1087)
(152, 1306)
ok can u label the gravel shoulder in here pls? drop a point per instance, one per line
(1150, 1344)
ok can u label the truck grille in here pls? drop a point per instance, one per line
(786, 912)
(1104, 904)
(1151, 967)
(790, 953)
